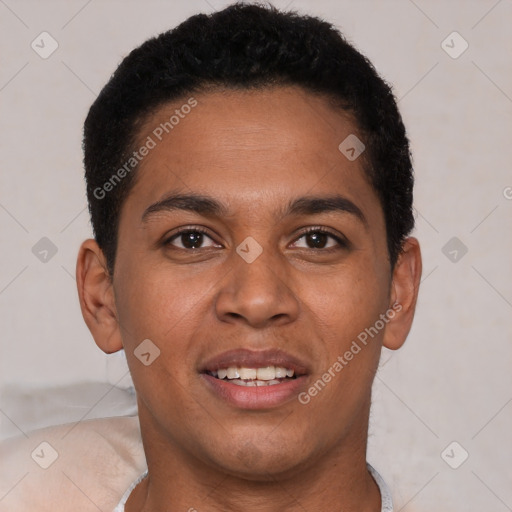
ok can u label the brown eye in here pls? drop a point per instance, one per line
(316, 240)
(191, 239)
(319, 239)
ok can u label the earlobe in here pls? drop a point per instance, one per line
(96, 295)
(404, 294)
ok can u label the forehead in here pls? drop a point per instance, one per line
(247, 147)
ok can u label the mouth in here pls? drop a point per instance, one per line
(250, 377)
(254, 380)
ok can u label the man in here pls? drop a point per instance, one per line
(250, 188)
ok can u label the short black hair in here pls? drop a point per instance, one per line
(245, 46)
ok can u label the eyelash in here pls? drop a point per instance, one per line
(342, 242)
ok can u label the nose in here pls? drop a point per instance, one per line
(259, 294)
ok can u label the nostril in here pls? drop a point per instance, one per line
(235, 315)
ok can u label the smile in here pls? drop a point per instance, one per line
(250, 377)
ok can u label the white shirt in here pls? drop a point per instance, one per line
(385, 495)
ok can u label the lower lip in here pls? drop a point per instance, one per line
(255, 397)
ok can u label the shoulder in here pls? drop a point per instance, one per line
(82, 466)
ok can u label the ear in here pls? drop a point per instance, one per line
(96, 295)
(404, 294)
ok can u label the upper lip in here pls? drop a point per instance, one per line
(255, 359)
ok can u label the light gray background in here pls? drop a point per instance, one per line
(452, 379)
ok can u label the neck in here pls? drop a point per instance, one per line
(337, 480)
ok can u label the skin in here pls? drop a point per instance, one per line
(253, 151)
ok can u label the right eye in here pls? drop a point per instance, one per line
(190, 239)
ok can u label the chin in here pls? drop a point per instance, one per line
(261, 462)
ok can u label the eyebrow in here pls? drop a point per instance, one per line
(197, 203)
(210, 207)
(332, 203)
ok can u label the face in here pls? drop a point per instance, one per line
(252, 254)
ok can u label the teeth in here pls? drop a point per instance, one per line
(252, 383)
(281, 372)
(233, 373)
(265, 374)
(248, 373)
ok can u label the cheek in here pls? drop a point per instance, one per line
(156, 304)
(349, 307)
(347, 302)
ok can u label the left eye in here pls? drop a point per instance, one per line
(318, 240)
(191, 239)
